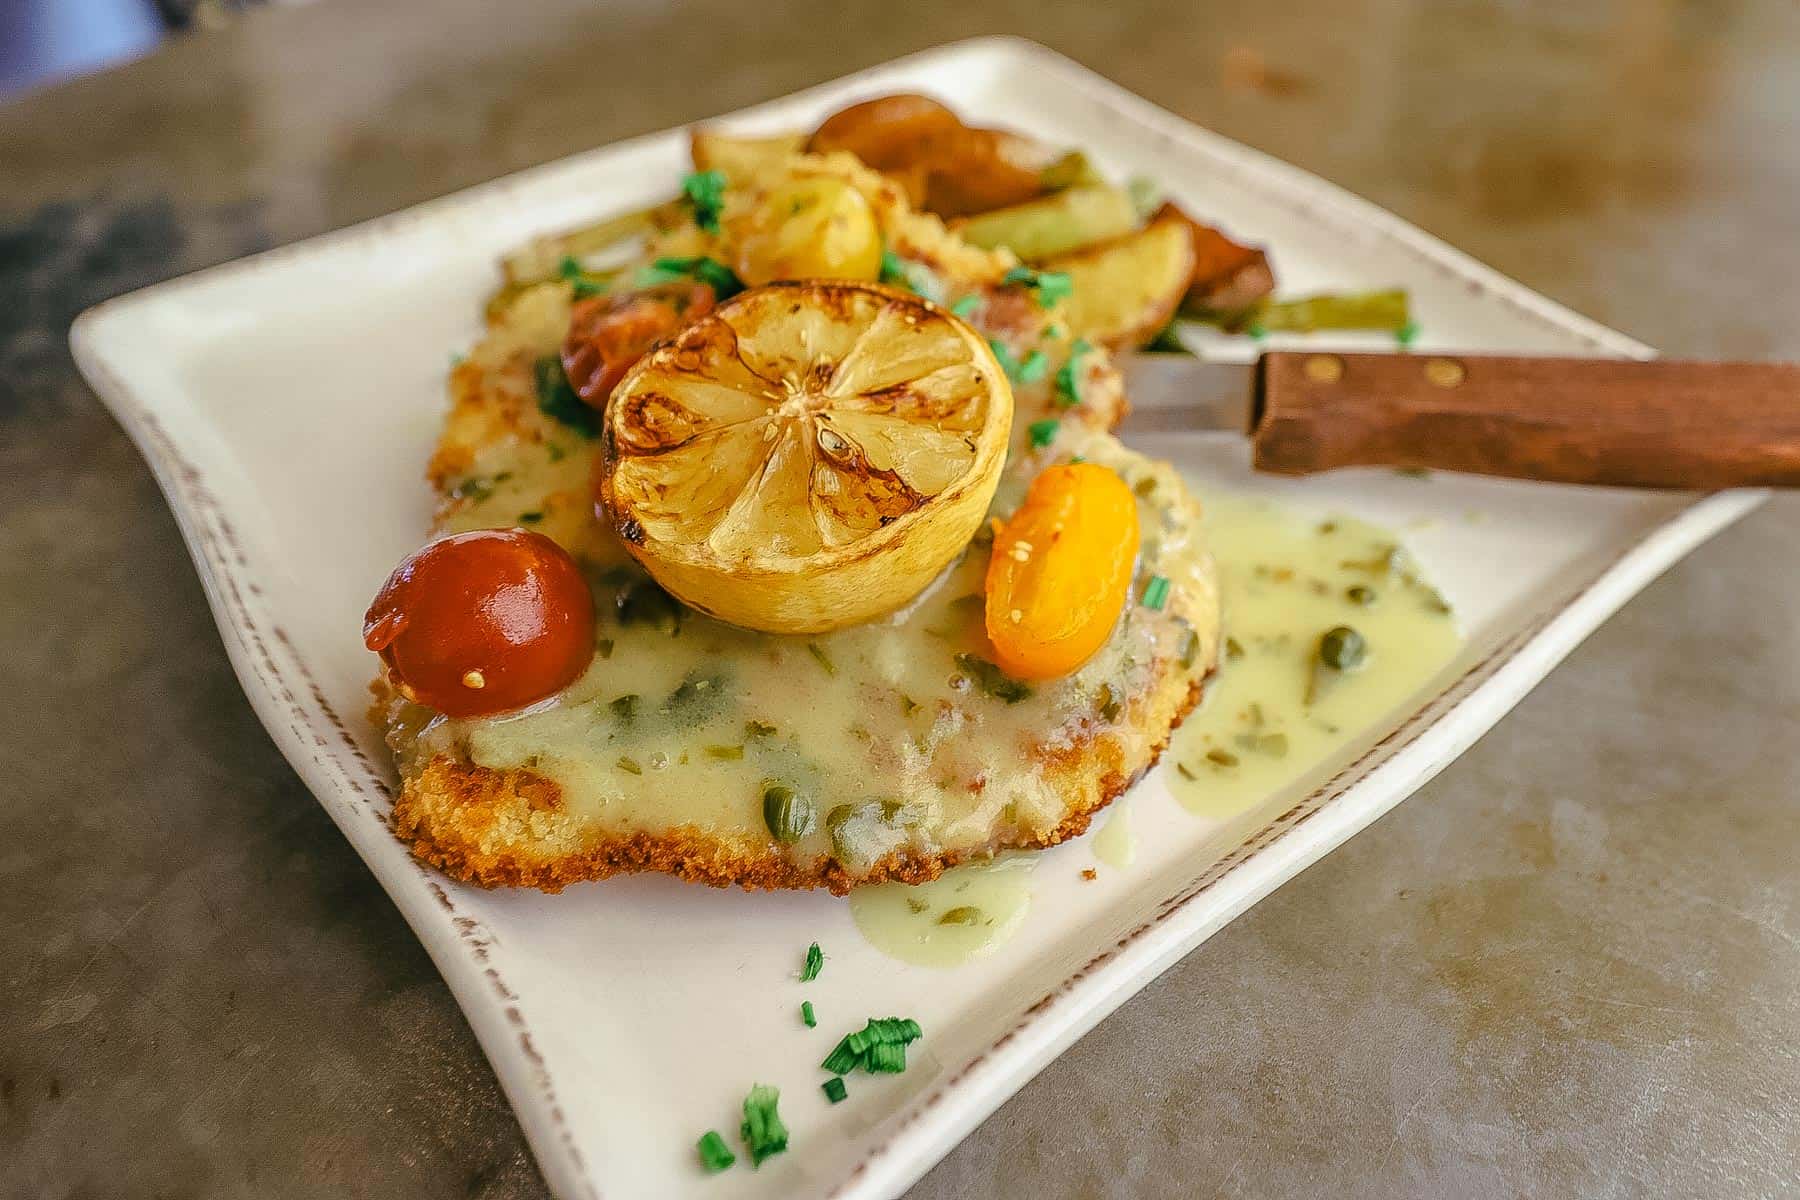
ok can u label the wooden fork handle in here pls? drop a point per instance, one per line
(1661, 423)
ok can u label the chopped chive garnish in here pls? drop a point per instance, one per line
(806, 1014)
(965, 308)
(604, 647)
(1407, 334)
(1255, 330)
(1035, 366)
(1156, 593)
(834, 1089)
(624, 707)
(1068, 381)
(815, 962)
(530, 518)
(759, 729)
(630, 766)
(558, 400)
(820, 657)
(762, 1130)
(879, 1047)
(705, 190)
(1047, 286)
(1009, 362)
(1043, 432)
(715, 1155)
(725, 752)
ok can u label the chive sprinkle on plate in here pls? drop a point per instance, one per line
(834, 1089)
(806, 1014)
(715, 1155)
(764, 1134)
(878, 1047)
(815, 962)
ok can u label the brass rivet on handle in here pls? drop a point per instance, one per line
(1324, 368)
(1444, 372)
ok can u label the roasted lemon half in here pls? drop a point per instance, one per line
(808, 455)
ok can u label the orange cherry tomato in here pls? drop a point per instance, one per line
(1060, 570)
(607, 334)
(483, 622)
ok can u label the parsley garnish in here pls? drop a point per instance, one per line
(1034, 367)
(710, 271)
(1043, 432)
(1048, 286)
(815, 961)
(762, 1130)
(965, 308)
(715, 1155)
(559, 401)
(705, 190)
(1068, 379)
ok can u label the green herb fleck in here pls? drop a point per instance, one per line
(1156, 593)
(715, 1155)
(1035, 367)
(1233, 648)
(1068, 379)
(820, 657)
(790, 817)
(629, 766)
(1043, 432)
(604, 647)
(1255, 330)
(992, 679)
(893, 270)
(962, 914)
(1412, 472)
(759, 729)
(807, 1017)
(531, 518)
(1360, 595)
(557, 400)
(1190, 649)
(643, 602)
(1407, 334)
(834, 1089)
(1048, 287)
(1222, 758)
(705, 190)
(763, 1133)
(1110, 708)
(710, 271)
(965, 308)
(1186, 773)
(815, 962)
(625, 707)
(728, 753)
(1009, 362)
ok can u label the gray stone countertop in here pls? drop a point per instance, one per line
(1569, 965)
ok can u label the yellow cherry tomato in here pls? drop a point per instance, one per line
(809, 229)
(1060, 571)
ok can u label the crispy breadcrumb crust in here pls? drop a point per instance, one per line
(506, 828)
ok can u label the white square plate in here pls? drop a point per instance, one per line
(287, 404)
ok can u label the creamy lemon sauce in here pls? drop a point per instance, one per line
(895, 736)
(964, 914)
(1115, 844)
(1273, 711)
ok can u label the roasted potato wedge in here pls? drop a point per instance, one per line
(1055, 224)
(946, 167)
(740, 157)
(1124, 291)
(1230, 279)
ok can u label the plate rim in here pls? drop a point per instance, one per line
(318, 745)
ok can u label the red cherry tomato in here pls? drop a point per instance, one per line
(483, 622)
(609, 333)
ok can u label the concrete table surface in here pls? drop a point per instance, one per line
(1569, 965)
